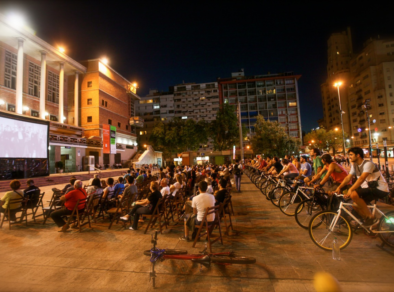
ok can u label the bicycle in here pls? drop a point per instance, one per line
(203, 258)
(326, 225)
(287, 202)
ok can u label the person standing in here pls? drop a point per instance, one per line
(237, 176)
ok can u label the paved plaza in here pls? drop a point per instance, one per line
(38, 258)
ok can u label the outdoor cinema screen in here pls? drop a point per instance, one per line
(22, 139)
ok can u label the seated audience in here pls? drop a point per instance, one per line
(70, 200)
(221, 194)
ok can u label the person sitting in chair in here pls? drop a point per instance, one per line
(145, 206)
(200, 204)
(70, 200)
(12, 195)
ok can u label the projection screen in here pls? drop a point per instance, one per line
(22, 139)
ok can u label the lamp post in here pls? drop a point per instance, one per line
(367, 107)
(337, 85)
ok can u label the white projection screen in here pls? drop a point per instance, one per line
(22, 139)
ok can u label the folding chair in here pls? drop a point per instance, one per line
(90, 209)
(122, 206)
(209, 227)
(157, 214)
(224, 212)
(54, 204)
(34, 203)
(75, 216)
(168, 215)
(8, 211)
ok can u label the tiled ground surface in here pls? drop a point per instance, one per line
(37, 258)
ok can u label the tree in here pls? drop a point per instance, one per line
(270, 138)
(178, 135)
(325, 140)
(224, 131)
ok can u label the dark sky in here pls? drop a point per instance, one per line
(162, 43)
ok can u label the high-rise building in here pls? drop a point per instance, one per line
(372, 78)
(152, 108)
(339, 53)
(274, 96)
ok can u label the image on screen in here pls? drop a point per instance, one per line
(20, 139)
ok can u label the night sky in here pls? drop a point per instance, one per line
(163, 43)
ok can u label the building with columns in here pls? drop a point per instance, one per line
(39, 81)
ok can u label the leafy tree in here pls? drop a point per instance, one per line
(224, 131)
(270, 138)
(177, 135)
(325, 140)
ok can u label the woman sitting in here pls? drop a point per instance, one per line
(145, 206)
(12, 195)
(95, 189)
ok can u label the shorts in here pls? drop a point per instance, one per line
(370, 194)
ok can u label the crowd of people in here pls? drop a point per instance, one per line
(363, 183)
(201, 186)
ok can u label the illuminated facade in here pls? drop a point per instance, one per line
(274, 96)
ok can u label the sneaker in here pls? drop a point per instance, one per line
(124, 218)
(184, 238)
(12, 222)
(131, 228)
(370, 222)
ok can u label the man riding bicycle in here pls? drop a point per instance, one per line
(370, 185)
(335, 174)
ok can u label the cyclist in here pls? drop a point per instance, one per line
(317, 165)
(335, 171)
(370, 185)
(276, 166)
(288, 167)
(270, 163)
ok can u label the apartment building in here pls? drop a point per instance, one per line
(152, 108)
(339, 53)
(274, 96)
(372, 78)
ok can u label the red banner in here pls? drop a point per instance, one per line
(106, 139)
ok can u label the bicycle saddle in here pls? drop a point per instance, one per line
(206, 260)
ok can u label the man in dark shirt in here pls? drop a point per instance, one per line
(221, 194)
(145, 206)
(277, 166)
(132, 189)
(30, 190)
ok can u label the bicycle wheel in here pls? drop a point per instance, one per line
(275, 195)
(232, 260)
(168, 252)
(323, 237)
(387, 224)
(288, 203)
(305, 211)
(268, 189)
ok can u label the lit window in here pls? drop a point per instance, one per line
(292, 103)
(337, 53)
(141, 132)
(184, 118)
(156, 106)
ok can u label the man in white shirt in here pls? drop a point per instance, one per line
(165, 190)
(370, 185)
(200, 204)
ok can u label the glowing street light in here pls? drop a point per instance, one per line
(104, 60)
(313, 141)
(17, 20)
(336, 129)
(25, 108)
(337, 85)
(61, 49)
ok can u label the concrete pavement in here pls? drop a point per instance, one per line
(37, 258)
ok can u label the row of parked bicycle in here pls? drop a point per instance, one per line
(325, 216)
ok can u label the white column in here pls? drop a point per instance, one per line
(19, 78)
(61, 93)
(43, 84)
(76, 99)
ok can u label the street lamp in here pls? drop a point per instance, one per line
(337, 85)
